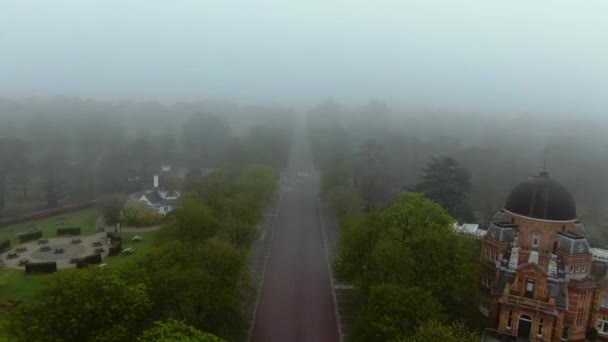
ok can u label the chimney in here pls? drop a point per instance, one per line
(155, 182)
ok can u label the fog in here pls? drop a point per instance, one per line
(542, 57)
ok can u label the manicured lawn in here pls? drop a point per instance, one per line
(84, 219)
(140, 247)
(16, 285)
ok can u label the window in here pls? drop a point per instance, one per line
(602, 325)
(509, 319)
(535, 240)
(580, 316)
(604, 300)
(571, 269)
(541, 323)
(565, 333)
(578, 268)
(584, 268)
(530, 288)
(484, 306)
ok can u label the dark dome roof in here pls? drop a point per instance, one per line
(542, 198)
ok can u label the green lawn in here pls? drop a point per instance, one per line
(122, 259)
(85, 219)
(16, 285)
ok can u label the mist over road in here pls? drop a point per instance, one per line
(296, 302)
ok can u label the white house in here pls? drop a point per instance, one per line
(163, 201)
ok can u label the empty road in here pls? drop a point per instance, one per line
(296, 301)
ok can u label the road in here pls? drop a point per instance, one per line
(296, 302)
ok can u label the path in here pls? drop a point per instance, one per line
(296, 301)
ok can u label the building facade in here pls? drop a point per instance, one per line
(541, 281)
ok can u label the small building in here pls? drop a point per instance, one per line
(163, 201)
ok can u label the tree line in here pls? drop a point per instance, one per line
(59, 151)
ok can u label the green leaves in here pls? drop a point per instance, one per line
(81, 306)
(406, 250)
(176, 331)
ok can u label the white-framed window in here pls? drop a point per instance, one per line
(584, 268)
(535, 240)
(541, 323)
(602, 325)
(510, 319)
(565, 333)
(484, 306)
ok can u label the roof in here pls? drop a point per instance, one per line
(573, 243)
(153, 197)
(543, 198)
(502, 231)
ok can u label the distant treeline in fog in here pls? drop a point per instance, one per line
(499, 152)
(65, 150)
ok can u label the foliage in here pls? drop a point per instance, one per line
(95, 300)
(175, 331)
(433, 330)
(392, 312)
(138, 214)
(409, 244)
(204, 284)
(111, 206)
(448, 184)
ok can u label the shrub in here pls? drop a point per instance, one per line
(5, 246)
(41, 267)
(68, 231)
(138, 214)
(25, 237)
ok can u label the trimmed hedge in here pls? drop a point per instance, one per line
(25, 237)
(115, 249)
(41, 267)
(68, 231)
(5, 246)
(93, 259)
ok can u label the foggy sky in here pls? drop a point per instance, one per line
(539, 56)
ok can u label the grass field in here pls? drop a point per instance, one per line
(84, 219)
(16, 285)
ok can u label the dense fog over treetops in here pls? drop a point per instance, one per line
(544, 57)
(491, 85)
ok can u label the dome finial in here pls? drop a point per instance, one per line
(544, 171)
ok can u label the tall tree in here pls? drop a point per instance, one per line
(448, 184)
(371, 163)
(204, 139)
(12, 159)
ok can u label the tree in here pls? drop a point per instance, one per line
(370, 173)
(433, 330)
(175, 331)
(12, 155)
(88, 305)
(111, 206)
(204, 139)
(411, 244)
(393, 312)
(204, 284)
(448, 184)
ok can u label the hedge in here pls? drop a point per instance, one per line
(68, 231)
(41, 267)
(115, 249)
(5, 246)
(25, 237)
(93, 259)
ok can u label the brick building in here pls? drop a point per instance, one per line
(541, 280)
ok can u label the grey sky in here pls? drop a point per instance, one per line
(496, 56)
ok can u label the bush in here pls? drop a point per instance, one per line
(68, 231)
(41, 267)
(111, 206)
(115, 249)
(93, 259)
(138, 214)
(5, 246)
(25, 237)
(175, 331)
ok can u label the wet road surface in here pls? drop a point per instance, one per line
(296, 301)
